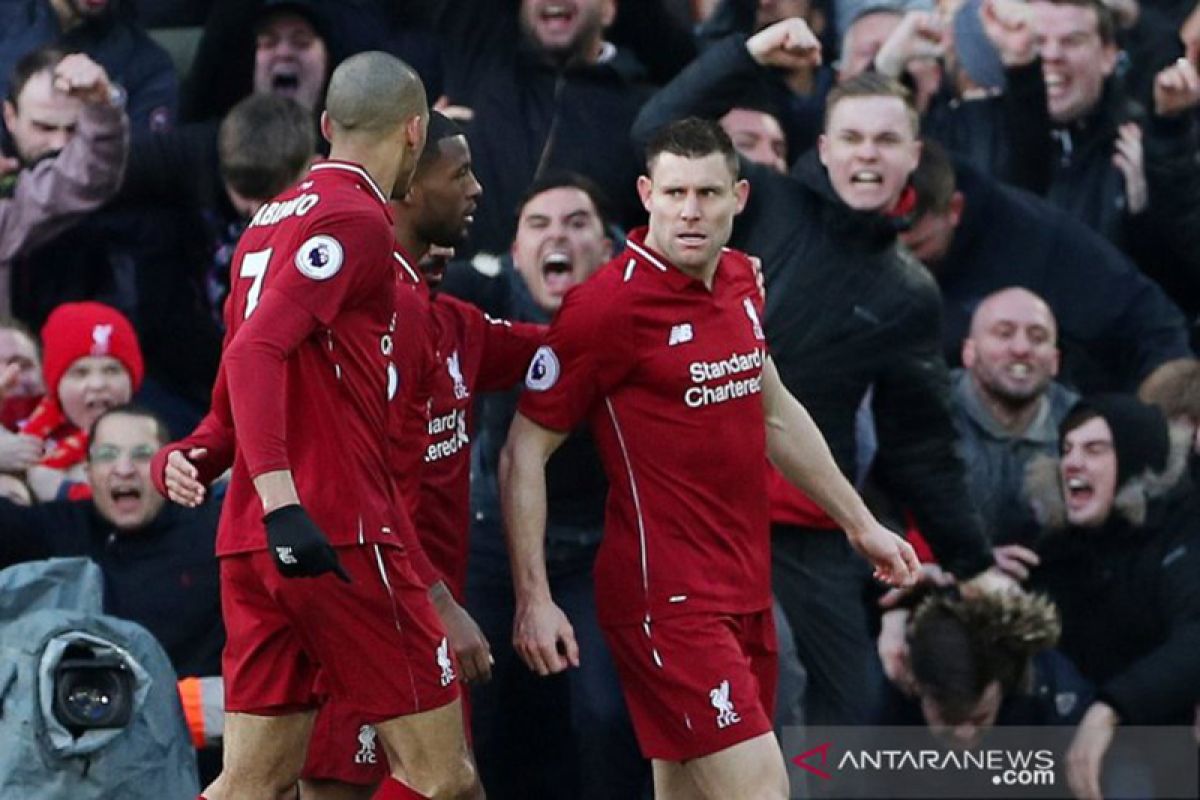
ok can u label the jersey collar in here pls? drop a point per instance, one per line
(648, 258)
(406, 266)
(350, 168)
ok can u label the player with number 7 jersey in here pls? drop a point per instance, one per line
(312, 274)
(309, 378)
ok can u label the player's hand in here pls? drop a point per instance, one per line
(1085, 756)
(1015, 560)
(79, 76)
(1177, 88)
(182, 479)
(893, 649)
(927, 575)
(297, 545)
(1009, 26)
(894, 559)
(788, 44)
(543, 637)
(920, 35)
(470, 646)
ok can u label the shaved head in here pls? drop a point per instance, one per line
(374, 92)
(1003, 300)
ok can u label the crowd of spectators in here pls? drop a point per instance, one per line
(973, 261)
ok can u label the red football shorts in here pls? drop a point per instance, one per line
(344, 748)
(375, 644)
(697, 684)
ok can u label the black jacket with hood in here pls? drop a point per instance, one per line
(1129, 590)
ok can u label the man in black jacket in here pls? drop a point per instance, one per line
(1121, 559)
(848, 315)
(157, 558)
(546, 91)
(978, 236)
(1129, 173)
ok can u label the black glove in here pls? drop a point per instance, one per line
(297, 545)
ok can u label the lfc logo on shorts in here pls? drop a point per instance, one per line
(443, 660)
(366, 746)
(726, 715)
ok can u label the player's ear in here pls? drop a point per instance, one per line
(414, 131)
(741, 190)
(326, 126)
(644, 187)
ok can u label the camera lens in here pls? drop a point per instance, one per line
(92, 690)
(89, 702)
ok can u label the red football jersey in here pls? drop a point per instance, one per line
(473, 353)
(310, 327)
(415, 363)
(669, 374)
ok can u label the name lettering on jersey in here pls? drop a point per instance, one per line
(543, 370)
(274, 212)
(453, 423)
(752, 313)
(680, 334)
(320, 257)
(738, 364)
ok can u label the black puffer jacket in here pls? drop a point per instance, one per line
(846, 312)
(1129, 595)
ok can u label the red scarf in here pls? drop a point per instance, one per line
(67, 443)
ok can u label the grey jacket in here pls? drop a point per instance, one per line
(996, 459)
(55, 193)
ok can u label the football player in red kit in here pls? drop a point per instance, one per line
(453, 350)
(663, 352)
(319, 594)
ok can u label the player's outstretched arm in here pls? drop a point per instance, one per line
(795, 445)
(542, 635)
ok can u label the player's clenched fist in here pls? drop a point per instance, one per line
(297, 545)
(788, 44)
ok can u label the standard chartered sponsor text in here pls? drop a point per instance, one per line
(737, 364)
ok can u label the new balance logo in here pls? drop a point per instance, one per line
(726, 715)
(680, 334)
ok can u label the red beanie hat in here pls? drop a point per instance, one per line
(77, 330)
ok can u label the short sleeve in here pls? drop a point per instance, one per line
(341, 258)
(588, 352)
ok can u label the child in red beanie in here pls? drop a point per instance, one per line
(91, 362)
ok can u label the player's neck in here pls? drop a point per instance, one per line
(413, 244)
(379, 163)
